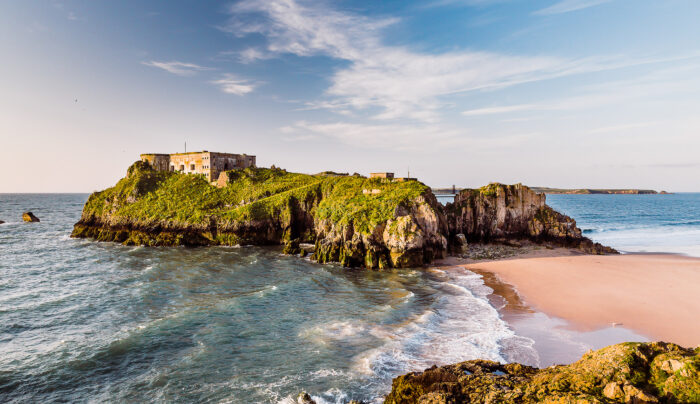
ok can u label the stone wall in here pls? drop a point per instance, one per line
(211, 164)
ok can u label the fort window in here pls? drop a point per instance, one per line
(172, 168)
(191, 167)
(182, 167)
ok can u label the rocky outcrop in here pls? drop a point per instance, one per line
(1, 222)
(499, 212)
(29, 217)
(415, 235)
(625, 373)
(400, 225)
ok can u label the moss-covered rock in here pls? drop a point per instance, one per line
(655, 372)
(262, 206)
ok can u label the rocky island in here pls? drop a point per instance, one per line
(356, 221)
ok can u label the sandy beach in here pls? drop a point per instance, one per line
(653, 294)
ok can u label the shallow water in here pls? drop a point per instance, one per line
(87, 321)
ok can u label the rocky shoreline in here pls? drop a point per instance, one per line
(655, 372)
(352, 220)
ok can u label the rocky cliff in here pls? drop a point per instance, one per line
(395, 224)
(353, 220)
(499, 212)
(624, 373)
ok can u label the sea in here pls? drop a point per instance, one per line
(82, 321)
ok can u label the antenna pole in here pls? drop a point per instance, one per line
(185, 147)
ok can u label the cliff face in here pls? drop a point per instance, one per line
(625, 373)
(413, 236)
(399, 224)
(500, 212)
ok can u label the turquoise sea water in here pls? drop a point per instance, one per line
(82, 321)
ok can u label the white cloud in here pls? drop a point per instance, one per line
(499, 110)
(403, 137)
(649, 88)
(623, 127)
(231, 84)
(177, 68)
(251, 55)
(390, 82)
(566, 6)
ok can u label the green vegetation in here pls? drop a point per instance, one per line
(149, 196)
(345, 202)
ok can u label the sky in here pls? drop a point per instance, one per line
(559, 93)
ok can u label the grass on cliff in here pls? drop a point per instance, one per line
(146, 195)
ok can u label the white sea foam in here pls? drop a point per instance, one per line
(462, 325)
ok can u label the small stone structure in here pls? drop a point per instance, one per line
(381, 175)
(211, 164)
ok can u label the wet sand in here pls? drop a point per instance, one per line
(608, 297)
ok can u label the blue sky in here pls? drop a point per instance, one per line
(565, 93)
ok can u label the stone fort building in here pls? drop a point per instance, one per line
(211, 164)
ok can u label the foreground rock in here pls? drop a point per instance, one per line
(625, 373)
(29, 217)
(1, 222)
(353, 220)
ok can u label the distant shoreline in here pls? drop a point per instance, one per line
(571, 191)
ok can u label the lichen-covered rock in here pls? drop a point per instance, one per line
(29, 217)
(499, 212)
(654, 372)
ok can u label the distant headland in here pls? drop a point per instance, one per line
(571, 191)
(589, 191)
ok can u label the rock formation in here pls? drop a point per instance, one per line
(655, 372)
(500, 212)
(1, 222)
(399, 225)
(29, 217)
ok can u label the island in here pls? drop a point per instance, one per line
(590, 191)
(353, 220)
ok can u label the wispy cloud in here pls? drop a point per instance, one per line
(567, 6)
(390, 82)
(251, 55)
(623, 127)
(230, 84)
(500, 110)
(177, 68)
(650, 87)
(403, 137)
